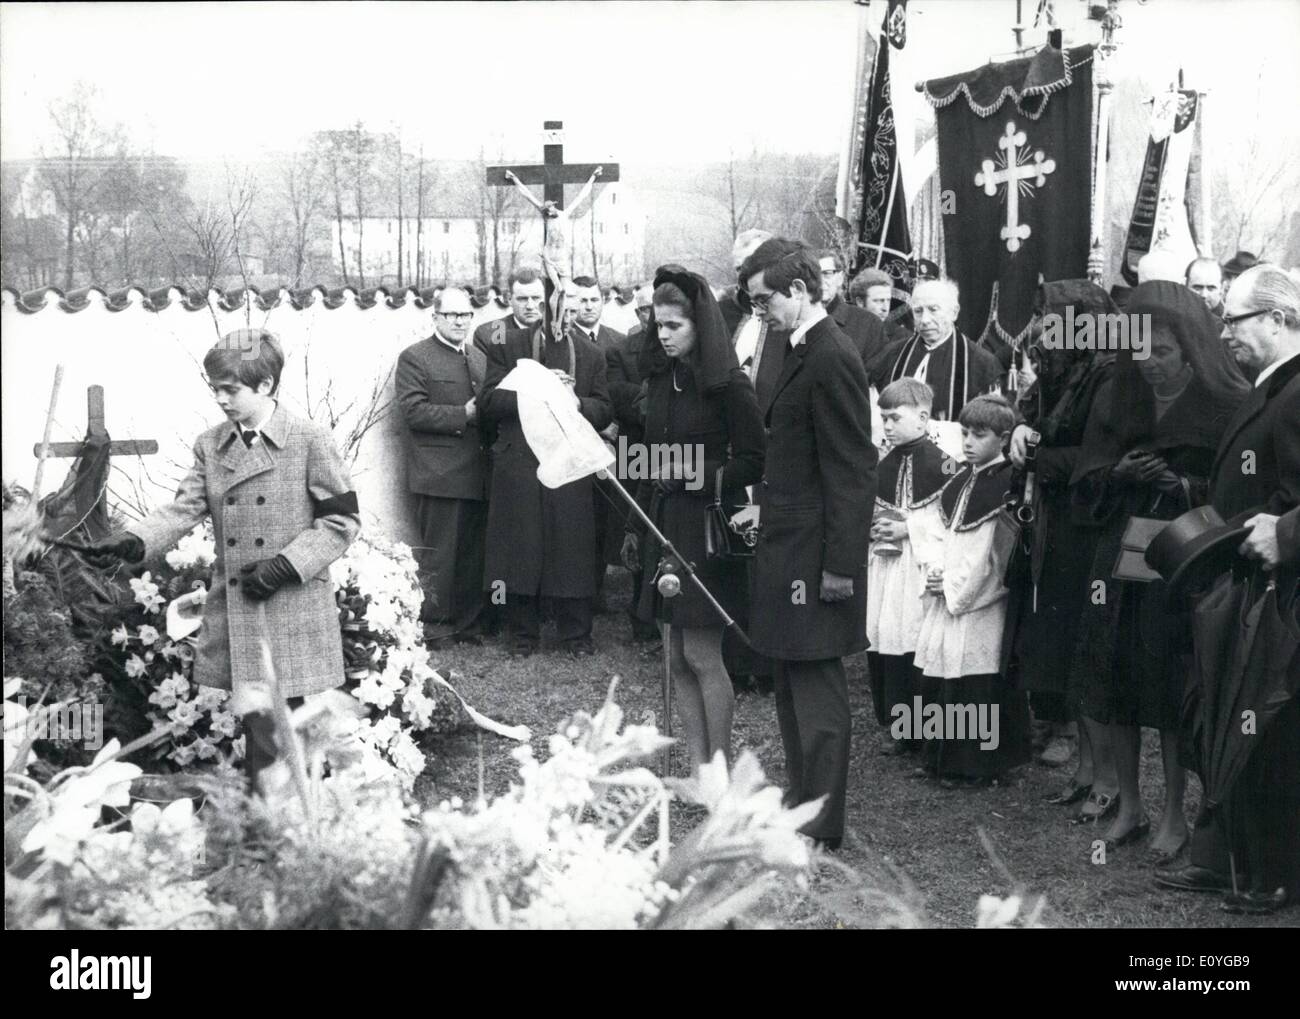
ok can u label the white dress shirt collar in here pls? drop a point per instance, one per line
(797, 337)
(1263, 376)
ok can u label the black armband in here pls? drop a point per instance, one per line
(345, 503)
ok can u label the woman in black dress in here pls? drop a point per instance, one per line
(1149, 446)
(703, 429)
(1052, 578)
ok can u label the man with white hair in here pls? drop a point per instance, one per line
(1256, 476)
(729, 303)
(940, 356)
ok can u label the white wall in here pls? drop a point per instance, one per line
(150, 366)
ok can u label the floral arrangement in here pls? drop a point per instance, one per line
(387, 668)
(197, 719)
(378, 591)
(345, 847)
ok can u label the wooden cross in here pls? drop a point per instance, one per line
(553, 172)
(95, 427)
(90, 505)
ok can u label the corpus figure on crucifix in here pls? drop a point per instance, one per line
(555, 243)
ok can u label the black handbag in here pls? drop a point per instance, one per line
(723, 539)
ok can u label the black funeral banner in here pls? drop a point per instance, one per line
(884, 240)
(1015, 166)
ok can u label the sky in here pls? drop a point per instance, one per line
(662, 82)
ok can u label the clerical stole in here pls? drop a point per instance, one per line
(1015, 154)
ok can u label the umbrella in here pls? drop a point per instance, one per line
(1247, 659)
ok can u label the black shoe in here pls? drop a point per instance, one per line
(1255, 903)
(1070, 795)
(1191, 878)
(830, 845)
(469, 637)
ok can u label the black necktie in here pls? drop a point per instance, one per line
(248, 436)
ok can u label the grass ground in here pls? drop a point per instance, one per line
(895, 823)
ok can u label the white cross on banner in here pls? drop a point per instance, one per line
(566, 446)
(1016, 173)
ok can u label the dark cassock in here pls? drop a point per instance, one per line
(609, 507)
(540, 541)
(955, 368)
(865, 330)
(446, 469)
(1263, 806)
(957, 647)
(816, 497)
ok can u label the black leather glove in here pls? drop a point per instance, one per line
(266, 576)
(118, 548)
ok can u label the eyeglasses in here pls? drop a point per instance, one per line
(457, 316)
(761, 301)
(1230, 321)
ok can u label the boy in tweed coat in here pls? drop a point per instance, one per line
(282, 509)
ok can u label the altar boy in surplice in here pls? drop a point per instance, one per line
(906, 535)
(959, 645)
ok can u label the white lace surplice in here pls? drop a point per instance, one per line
(961, 633)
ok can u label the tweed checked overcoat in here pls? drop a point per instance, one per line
(289, 494)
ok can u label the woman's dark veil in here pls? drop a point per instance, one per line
(714, 358)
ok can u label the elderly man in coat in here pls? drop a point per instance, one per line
(283, 509)
(1255, 479)
(809, 601)
(540, 541)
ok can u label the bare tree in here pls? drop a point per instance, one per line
(73, 170)
(303, 189)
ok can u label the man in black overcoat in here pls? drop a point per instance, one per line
(865, 330)
(1257, 471)
(808, 605)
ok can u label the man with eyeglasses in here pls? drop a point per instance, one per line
(865, 330)
(1255, 478)
(437, 382)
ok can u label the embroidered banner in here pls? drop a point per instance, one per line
(883, 237)
(1015, 154)
(1161, 219)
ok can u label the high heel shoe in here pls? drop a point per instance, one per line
(1104, 805)
(1071, 794)
(1134, 834)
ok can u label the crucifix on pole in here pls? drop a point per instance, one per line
(552, 174)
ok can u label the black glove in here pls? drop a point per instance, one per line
(108, 553)
(266, 576)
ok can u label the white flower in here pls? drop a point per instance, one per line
(223, 723)
(135, 667)
(146, 592)
(148, 635)
(120, 635)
